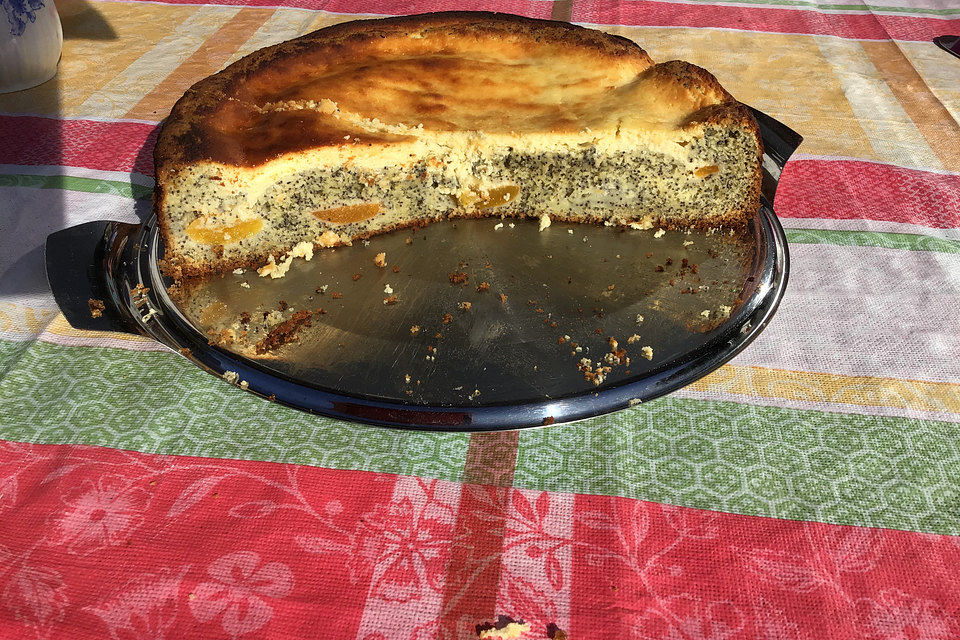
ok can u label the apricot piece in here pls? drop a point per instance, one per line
(708, 170)
(493, 198)
(349, 213)
(202, 232)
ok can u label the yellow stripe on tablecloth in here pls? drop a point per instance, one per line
(284, 24)
(825, 387)
(208, 59)
(892, 134)
(288, 23)
(327, 19)
(60, 327)
(783, 75)
(19, 322)
(932, 119)
(942, 79)
(118, 97)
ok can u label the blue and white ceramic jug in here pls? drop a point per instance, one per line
(31, 40)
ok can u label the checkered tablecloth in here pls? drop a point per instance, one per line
(810, 489)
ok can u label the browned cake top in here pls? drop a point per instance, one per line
(382, 81)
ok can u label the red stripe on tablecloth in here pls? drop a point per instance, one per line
(826, 189)
(769, 19)
(853, 190)
(98, 543)
(101, 543)
(670, 572)
(645, 13)
(530, 8)
(108, 146)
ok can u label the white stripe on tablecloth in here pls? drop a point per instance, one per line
(848, 310)
(537, 564)
(391, 619)
(866, 311)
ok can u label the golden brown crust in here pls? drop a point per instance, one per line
(228, 99)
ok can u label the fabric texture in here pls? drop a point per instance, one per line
(808, 489)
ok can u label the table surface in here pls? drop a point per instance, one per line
(808, 489)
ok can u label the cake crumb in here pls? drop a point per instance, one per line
(465, 306)
(409, 240)
(725, 310)
(555, 633)
(336, 295)
(396, 269)
(390, 301)
(646, 223)
(503, 298)
(388, 289)
(380, 260)
(414, 329)
(357, 276)
(647, 352)
(570, 231)
(548, 421)
(407, 378)
(245, 284)
(238, 271)
(687, 243)
(659, 234)
(544, 222)
(458, 277)
(473, 396)
(244, 385)
(276, 269)
(498, 226)
(483, 286)
(705, 313)
(231, 376)
(284, 333)
(505, 628)
(447, 319)
(634, 338)
(96, 307)
(322, 289)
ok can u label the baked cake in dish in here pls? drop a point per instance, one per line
(371, 125)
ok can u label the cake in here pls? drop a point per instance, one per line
(372, 125)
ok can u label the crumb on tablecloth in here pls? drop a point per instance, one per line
(96, 307)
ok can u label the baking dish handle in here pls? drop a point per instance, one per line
(82, 266)
(779, 143)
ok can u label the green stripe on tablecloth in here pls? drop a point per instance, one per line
(75, 183)
(802, 464)
(786, 463)
(157, 402)
(908, 241)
